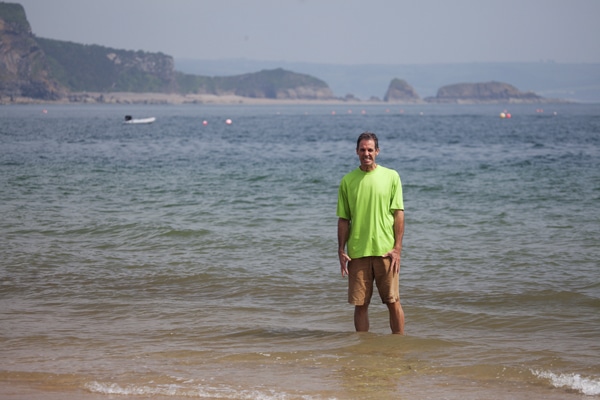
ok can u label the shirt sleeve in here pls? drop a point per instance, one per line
(343, 209)
(397, 201)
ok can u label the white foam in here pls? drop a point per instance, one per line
(191, 392)
(587, 386)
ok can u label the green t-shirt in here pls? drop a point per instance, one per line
(368, 200)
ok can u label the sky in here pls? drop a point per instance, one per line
(331, 31)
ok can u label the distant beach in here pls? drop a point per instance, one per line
(128, 98)
(172, 98)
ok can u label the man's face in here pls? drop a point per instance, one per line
(367, 153)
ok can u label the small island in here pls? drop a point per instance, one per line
(400, 91)
(486, 92)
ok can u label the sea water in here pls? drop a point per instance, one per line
(192, 258)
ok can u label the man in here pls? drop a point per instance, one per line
(370, 212)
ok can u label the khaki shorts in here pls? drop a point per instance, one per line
(361, 274)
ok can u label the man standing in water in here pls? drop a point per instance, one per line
(370, 212)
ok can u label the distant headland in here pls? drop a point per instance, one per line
(39, 70)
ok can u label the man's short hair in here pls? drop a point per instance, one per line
(368, 136)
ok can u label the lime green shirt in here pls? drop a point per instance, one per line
(368, 200)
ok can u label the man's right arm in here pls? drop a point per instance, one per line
(343, 232)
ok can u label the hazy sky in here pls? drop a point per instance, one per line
(331, 31)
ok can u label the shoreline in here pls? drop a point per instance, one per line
(129, 98)
(412, 386)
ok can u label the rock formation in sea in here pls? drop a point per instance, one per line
(486, 92)
(400, 91)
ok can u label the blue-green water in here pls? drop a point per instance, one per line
(183, 260)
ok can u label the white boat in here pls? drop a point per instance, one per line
(130, 120)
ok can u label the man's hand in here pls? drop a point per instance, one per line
(344, 259)
(394, 255)
(342, 234)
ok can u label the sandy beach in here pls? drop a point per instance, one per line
(231, 99)
(171, 98)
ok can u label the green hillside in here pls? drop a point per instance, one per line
(101, 69)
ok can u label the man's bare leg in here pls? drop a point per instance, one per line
(396, 317)
(361, 318)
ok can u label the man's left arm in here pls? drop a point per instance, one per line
(396, 252)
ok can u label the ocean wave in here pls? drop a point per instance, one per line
(196, 391)
(587, 386)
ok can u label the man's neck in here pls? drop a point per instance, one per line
(368, 168)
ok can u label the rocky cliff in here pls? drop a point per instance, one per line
(488, 92)
(23, 64)
(401, 92)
